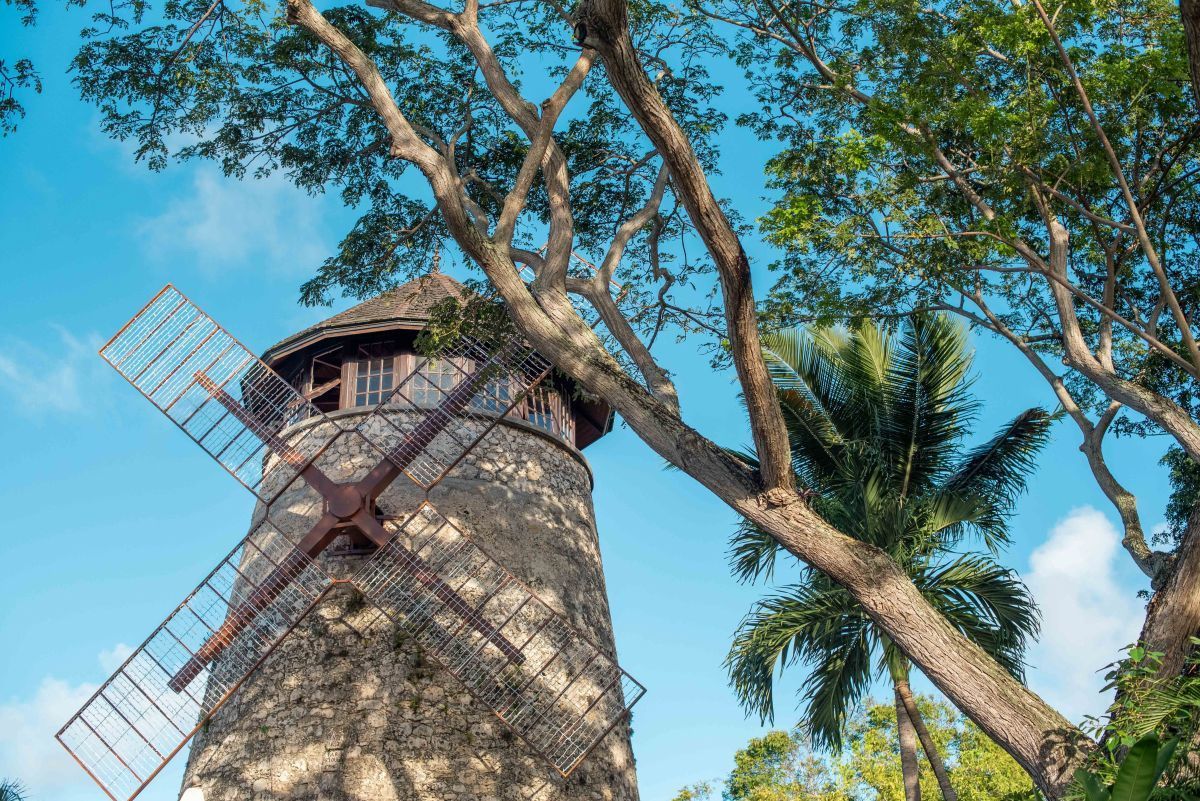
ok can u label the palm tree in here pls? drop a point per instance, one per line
(876, 424)
(11, 790)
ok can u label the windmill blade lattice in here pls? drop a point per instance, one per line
(563, 693)
(153, 704)
(199, 375)
(458, 396)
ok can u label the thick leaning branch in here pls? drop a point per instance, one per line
(1039, 738)
(604, 26)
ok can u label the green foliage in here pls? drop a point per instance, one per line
(694, 792)
(876, 422)
(776, 767)
(979, 770)
(1137, 775)
(782, 766)
(18, 74)
(870, 223)
(257, 96)
(473, 316)
(1150, 715)
(1185, 493)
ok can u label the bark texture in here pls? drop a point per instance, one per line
(910, 769)
(1189, 12)
(904, 693)
(1173, 617)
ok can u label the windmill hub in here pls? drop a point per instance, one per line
(345, 501)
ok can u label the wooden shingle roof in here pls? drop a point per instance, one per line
(407, 306)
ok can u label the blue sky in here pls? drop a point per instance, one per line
(111, 514)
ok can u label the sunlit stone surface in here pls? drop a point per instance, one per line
(349, 708)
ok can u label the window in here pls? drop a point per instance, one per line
(433, 380)
(374, 375)
(495, 396)
(541, 408)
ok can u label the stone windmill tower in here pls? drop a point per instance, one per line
(343, 700)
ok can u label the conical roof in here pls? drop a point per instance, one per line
(407, 306)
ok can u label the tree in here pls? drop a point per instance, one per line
(782, 766)
(779, 767)
(416, 117)
(979, 770)
(876, 424)
(11, 790)
(18, 74)
(1030, 169)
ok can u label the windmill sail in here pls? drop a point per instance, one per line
(200, 376)
(554, 687)
(452, 402)
(140, 718)
(563, 694)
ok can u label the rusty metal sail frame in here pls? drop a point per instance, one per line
(555, 688)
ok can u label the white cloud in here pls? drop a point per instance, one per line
(1087, 614)
(28, 750)
(225, 223)
(42, 381)
(114, 657)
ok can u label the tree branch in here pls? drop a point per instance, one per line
(1135, 214)
(607, 31)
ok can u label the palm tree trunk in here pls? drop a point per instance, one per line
(909, 767)
(904, 694)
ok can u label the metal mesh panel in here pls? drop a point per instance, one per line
(459, 397)
(219, 393)
(193, 662)
(558, 690)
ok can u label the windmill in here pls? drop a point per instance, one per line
(557, 690)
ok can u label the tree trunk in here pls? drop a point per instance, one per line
(910, 769)
(904, 693)
(1189, 12)
(604, 24)
(1173, 616)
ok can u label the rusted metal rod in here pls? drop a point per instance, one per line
(426, 430)
(412, 564)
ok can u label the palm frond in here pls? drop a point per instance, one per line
(999, 469)
(817, 623)
(987, 602)
(875, 421)
(805, 366)
(11, 790)
(752, 553)
(928, 404)
(937, 522)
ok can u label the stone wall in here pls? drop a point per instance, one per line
(349, 708)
